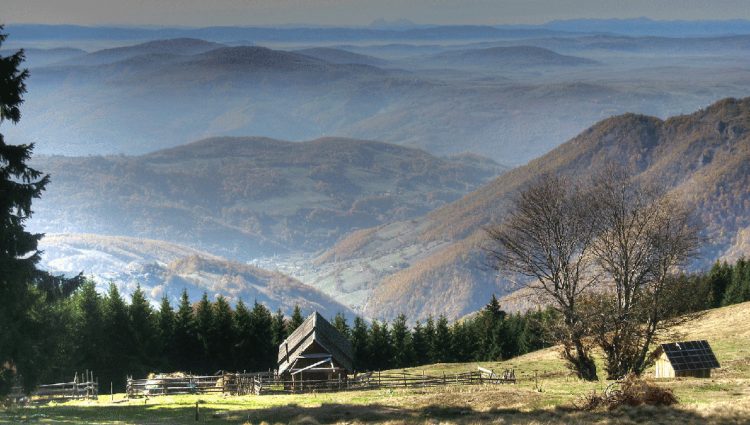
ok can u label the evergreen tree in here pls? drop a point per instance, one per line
(442, 341)
(430, 342)
(117, 352)
(360, 345)
(20, 336)
(221, 337)
(144, 333)
(420, 345)
(403, 351)
(339, 322)
(185, 339)
(296, 320)
(244, 358)
(88, 334)
(203, 326)
(165, 325)
(278, 328)
(738, 289)
(379, 347)
(462, 342)
(719, 278)
(263, 337)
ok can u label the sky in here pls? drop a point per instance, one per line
(355, 12)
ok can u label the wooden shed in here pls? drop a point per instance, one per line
(685, 359)
(315, 351)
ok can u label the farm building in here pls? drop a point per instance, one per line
(315, 351)
(685, 359)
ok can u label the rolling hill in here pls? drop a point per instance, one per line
(506, 57)
(341, 56)
(434, 264)
(165, 269)
(248, 197)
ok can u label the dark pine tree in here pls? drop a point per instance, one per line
(203, 330)
(244, 357)
(221, 335)
(279, 328)
(88, 332)
(403, 351)
(430, 341)
(360, 345)
(719, 278)
(420, 345)
(184, 356)
(19, 185)
(117, 351)
(295, 321)
(442, 347)
(165, 345)
(379, 347)
(738, 289)
(142, 322)
(339, 322)
(262, 322)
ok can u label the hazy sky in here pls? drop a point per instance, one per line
(356, 12)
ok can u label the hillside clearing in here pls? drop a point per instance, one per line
(725, 398)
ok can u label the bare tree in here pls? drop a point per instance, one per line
(546, 239)
(642, 237)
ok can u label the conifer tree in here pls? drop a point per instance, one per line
(19, 185)
(117, 352)
(278, 328)
(719, 278)
(185, 338)
(296, 320)
(244, 358)
(442, 341)
(144, 333)
(379, 345)
(738, 289)
(165, 324)
(403, 351)
(420, 344)
(88, 335)
(263, 337)
(339, 322)
(429, 338)
(203, 326)
(360, 345)
(221, 335)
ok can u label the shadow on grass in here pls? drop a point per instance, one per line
(352, 414)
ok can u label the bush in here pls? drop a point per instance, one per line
(631, 391)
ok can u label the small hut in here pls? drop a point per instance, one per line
(315, 352)
(685, 359)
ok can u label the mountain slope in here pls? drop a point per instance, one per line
(176, 46)
(507, 57)
(703, 158)
(163, 268)
(250, 197)
(341, 56)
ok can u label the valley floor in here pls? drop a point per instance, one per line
(545, 394)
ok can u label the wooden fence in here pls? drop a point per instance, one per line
(83, 386)
(271, 383)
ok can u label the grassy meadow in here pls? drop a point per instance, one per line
(545, 394)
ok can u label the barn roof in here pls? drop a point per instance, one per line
(690, 355)
(316, 329)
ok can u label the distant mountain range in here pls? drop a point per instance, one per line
(250, 197)
(511, 103)
(434, 264)
(165, 269)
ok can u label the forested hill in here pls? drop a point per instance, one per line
(166, 269)
(249, 197)
(703, 158)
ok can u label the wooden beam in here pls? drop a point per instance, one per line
(311, 366)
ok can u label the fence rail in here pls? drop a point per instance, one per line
(271, 383)
(83, 386)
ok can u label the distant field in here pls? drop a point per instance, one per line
(725, 398)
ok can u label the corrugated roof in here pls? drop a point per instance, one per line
(690, 355)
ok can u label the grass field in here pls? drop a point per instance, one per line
(548, 399)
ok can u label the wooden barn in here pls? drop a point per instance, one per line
(315, 351)
(685, 359)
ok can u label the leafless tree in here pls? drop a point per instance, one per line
(642, 237)
(546, 240)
